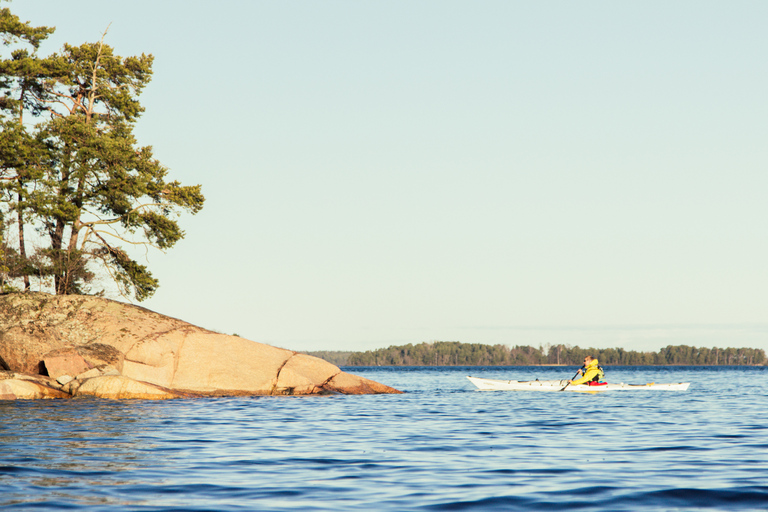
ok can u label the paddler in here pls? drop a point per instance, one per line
(590, 372)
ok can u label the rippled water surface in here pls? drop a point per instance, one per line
(440, 446)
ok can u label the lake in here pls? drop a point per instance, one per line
(440, 446)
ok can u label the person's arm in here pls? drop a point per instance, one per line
(588, 376)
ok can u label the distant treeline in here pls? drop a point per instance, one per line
(455, 353)
(337, 357)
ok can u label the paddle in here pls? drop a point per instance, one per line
(569, 383)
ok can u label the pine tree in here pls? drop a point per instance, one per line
(19, 152)
(78, 173)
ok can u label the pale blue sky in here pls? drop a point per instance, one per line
(380, 173)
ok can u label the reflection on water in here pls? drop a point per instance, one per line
(66, 449)
(440, 446)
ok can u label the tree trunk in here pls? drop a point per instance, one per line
(22, 244)
(60, 273)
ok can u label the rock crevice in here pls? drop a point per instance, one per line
(280, 369)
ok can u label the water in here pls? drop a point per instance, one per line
(440, 446)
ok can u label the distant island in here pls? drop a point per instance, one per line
(456, 353)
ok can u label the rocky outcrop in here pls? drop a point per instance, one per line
(72, 345)
(14, 385)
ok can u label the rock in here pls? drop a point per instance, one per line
(117, 386)
(23, 387)
(93, 338)
(99, 355)
(353, 385)
(63, 379)
(64, 362)
(211, 362)
(89, 374)
(304, 375)
(71, 387)
(108, 370)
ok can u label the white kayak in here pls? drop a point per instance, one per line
(558, 385)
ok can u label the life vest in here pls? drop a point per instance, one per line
(600, 376)
(590, 373)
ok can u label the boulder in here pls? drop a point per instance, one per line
(15, 386)
(353, 385)
(64, 362)
(117, 387)
(97, 340)
(64, 379)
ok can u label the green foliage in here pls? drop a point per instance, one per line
(454, 353)
(448, 353)
(77, 175)
(671, 354)
(132, 278)
(70, 266)
(12, 29)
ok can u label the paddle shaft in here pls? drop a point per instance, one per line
(577, 373)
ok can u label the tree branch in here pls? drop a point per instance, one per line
(98, 234)
(118, 219)
(94, 86)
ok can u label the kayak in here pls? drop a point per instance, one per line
(558, 385)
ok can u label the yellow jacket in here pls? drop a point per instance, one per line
(590, 372)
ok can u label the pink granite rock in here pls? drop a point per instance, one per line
(14, 386)
(68, 334)
(64, 362)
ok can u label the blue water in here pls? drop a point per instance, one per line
(440, 446)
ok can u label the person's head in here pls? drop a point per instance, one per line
(588, 360)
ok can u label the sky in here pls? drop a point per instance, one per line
(388, 172)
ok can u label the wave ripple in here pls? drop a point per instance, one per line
(440, 446)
